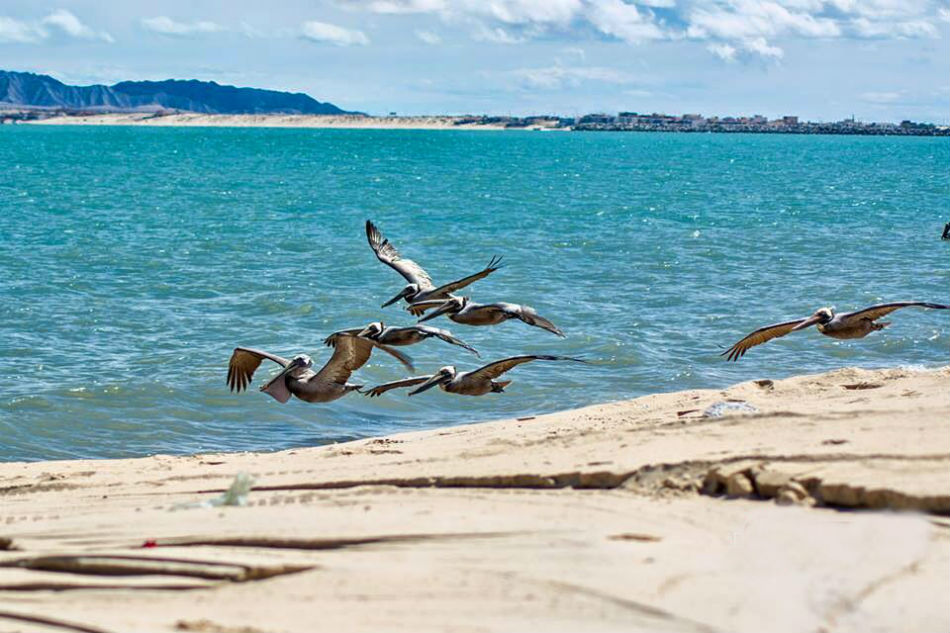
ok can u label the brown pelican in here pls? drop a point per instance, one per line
(467, 312)
(466, 383)
(409, 335)
(856, 324)
(298, 379)
(420, 286)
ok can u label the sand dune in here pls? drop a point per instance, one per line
(644, 515)
(191, 119)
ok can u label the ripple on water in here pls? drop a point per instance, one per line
(127, 283)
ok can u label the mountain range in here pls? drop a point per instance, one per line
(29, 90)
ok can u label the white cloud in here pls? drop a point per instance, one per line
(623, 21)
(497, 35)
(575, 51)
(167, 26)
(750, 24)
(731, 28)
(71, 25)
(761, 47)
(900, 29)
(557, 77)
(332, 34)
(406, 6)
(881, 97)
(16, 31)
(60, 21)
(251, 31)
(428, 37)
(750, 19)
(725, 52)
(526, 11)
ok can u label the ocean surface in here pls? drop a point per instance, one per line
(134, 260)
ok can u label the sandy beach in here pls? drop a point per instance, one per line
(771, 505)
(192, 119)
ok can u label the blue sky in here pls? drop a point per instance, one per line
(880, 60)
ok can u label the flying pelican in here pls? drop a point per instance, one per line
(297, 377)
(466, 383)
(409, 335)
(420, 287)
(463, 310)
(856, 324)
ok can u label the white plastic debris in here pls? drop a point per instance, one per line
(235, 495)
(719, 409)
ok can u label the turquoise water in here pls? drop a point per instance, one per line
(135, 259)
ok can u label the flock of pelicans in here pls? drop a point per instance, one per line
(352, 348)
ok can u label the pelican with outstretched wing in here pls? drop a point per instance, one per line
(463, 310)
(466, 383)
(420, 286)
(398, 336)
(298, 379)
(857, 324)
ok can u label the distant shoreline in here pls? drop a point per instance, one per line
(343, 121)
(443, 122)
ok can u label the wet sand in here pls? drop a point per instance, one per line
(812, 503)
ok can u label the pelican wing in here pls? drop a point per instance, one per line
(244, 362)
(331, 340)
(379, 390)
(387, 253)
(349, 354)
(451, 287)
(395, 353)
(529, 316)
(877, 311)
(762, 335)
(420, 307)
(496, 369)
(446, 336)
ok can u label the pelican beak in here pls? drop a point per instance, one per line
(404, 293)
(276, 387)
(292, 365)
(438, 379)
(807, 323)
(444, 309)
(364, 333)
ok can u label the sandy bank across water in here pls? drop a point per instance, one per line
(610, 517)
(192, 119)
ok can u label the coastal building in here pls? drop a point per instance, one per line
(693, 120)
(599, 118)
(757, 123)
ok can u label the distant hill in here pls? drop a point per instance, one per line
(28, 90)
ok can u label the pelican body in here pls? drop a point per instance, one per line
(463, 310)
(467, 383)
(847, 325)
(297, 377)
(399, 336)
(420, 286)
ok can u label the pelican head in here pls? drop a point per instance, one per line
(821, 315)
(277, 386)
(453, 305)
(444, 375)
(373, 330)
(409, 291)
(824, 315)
(301, 361)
